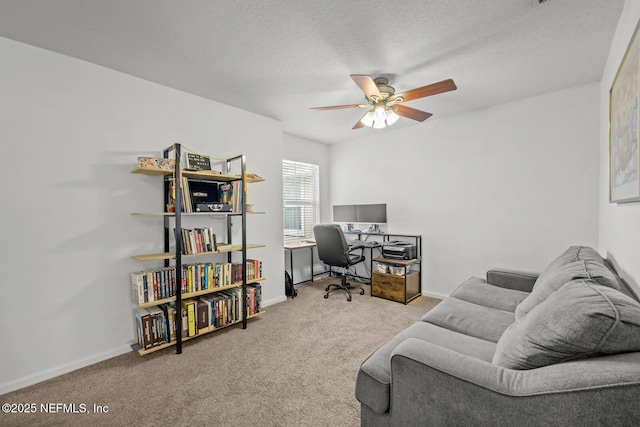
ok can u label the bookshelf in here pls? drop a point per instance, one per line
(227, 293)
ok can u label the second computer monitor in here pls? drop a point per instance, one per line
(372, 214)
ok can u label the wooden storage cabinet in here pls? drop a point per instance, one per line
(396, 280)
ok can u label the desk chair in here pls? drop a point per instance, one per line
(334, 251)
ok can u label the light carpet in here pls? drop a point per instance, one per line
(293, 366)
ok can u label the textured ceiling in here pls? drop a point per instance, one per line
(279, 58)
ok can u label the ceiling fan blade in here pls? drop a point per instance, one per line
(428, 90)
(359, 123)
(338, 107)
(367, 85)
(411, 113)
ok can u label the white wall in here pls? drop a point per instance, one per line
(304, 150)
(510, 186)
(619, 223)
(71, 132)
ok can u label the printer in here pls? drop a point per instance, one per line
(399, 250)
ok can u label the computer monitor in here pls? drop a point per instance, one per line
(345, 213)
(372, 214)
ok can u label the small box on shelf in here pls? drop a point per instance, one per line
(159, 163)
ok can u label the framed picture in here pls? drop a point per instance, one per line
(624, 123)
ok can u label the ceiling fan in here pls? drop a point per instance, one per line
(384, 106)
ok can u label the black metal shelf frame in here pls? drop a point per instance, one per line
(176, 149)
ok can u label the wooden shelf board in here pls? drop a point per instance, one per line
(194, 213)
(260, 313)
(171, 255)
(155, 257)
(151, 171)
(142, 352)
(210, 175)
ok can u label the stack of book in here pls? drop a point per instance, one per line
(254, 298)
(155, 325)
(153, 285)
(198, 240)
(160, 283)
(204, 314)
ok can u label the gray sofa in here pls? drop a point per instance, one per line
(559, 348)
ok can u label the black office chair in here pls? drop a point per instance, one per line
(334, 251)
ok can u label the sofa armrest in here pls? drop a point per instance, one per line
(512, 279)
(461, 389)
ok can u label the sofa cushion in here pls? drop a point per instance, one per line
(477, 291)
(583, 269)
(374, 376)
(470, 319)
(581, 319)
(574, 253)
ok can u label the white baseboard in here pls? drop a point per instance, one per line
(63, 369)
(272, 301)
(38, 377)
(435, 295)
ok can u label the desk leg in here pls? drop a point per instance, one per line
(370, 265)
(311, 249)
(291, 266)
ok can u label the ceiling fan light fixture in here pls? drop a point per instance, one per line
(379, 124)
(379, 117)
(392, 117)
(367, 120)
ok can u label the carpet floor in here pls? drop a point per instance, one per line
(293, 366)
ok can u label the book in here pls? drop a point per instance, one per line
(186, 196)
(223, 247)
(148, 287)
(170, 321)
(143, 326)
(204, 310)
(158, 330)
(138, 287)
(225, 193)
(235, 199)
(190, 308)
(254, 298)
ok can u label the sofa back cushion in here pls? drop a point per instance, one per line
(554, 280)
(581, 319)
(574, 253)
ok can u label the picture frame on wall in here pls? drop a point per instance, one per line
(624, 126)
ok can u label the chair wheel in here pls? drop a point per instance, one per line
(349, 298)
(326, 289)
(362, 292)
(326, 295)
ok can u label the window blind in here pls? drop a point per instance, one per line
(301, 197)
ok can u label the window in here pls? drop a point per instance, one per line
(301, 197)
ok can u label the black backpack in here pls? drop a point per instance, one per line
(289, 289)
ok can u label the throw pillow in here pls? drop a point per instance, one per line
(585, 269)
(581, 319)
